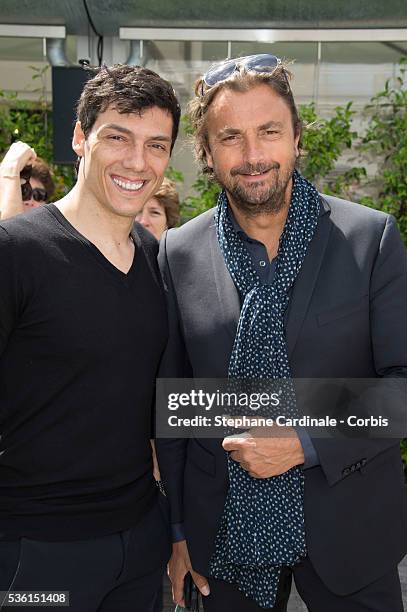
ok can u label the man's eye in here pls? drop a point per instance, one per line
(116, 137)
(159, 146)
(271, 132)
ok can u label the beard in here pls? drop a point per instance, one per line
(261, 197)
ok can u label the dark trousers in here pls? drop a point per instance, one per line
(383, 595)
(121, 572)
(226, 597)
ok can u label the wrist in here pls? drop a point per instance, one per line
(300, 457)
(10, 169)
(179, 549)
(9, 175)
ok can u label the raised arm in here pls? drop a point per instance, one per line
(17, 157)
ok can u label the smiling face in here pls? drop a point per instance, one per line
(124, 158)
(153, 217)
(252, 148)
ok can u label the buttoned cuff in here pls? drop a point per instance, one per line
(311, 458)
(178, 533)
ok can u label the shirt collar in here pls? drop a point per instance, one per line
(236, 225)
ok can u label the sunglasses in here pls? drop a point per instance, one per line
(262, 62)
(27, 192)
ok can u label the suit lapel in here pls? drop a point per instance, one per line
(304, 285)
(229, 302)
(228, 298)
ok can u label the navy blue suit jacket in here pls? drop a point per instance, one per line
(347, 318)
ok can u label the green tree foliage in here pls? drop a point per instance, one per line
(206, 191)
(174, 175)
(386, 142)
(323, 142)
(32, 123)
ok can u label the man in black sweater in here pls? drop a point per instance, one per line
(82, 328)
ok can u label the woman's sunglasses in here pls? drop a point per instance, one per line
(28, 193)
(262, 62)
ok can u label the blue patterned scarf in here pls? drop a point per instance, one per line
(262, 527)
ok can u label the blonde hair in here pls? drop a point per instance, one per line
(168, 197)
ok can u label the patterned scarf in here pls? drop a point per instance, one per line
(262, 527)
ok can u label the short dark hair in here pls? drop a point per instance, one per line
(240, 81)
(168, 197)
(129, 89)
(42, 172)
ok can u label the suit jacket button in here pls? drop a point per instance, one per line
(346, 472)
(363, 462)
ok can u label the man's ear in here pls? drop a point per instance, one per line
(209, 158)
(78, 140)
(296, 144)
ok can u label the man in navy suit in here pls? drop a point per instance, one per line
(280, 281)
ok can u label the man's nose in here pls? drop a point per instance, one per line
(252, 150)
(136, 159)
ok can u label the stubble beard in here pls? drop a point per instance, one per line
(258, 198)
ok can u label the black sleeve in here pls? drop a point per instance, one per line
(171, 453)
(8, 288)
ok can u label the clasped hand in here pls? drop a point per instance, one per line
(266, 451)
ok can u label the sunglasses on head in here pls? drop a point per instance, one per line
(262, 62)
(28, 193)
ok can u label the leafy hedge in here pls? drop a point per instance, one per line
(32, 123)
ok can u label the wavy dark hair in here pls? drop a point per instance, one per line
(128, 89)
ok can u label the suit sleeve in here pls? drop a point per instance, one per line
(388, 307)
(171, 452)
(311, 458)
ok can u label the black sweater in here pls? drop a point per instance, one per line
(80, 344)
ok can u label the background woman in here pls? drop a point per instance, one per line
(162, 211)
(25, 181)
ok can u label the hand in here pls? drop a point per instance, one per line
(178, 567)
(17, 157)
(266, 452)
